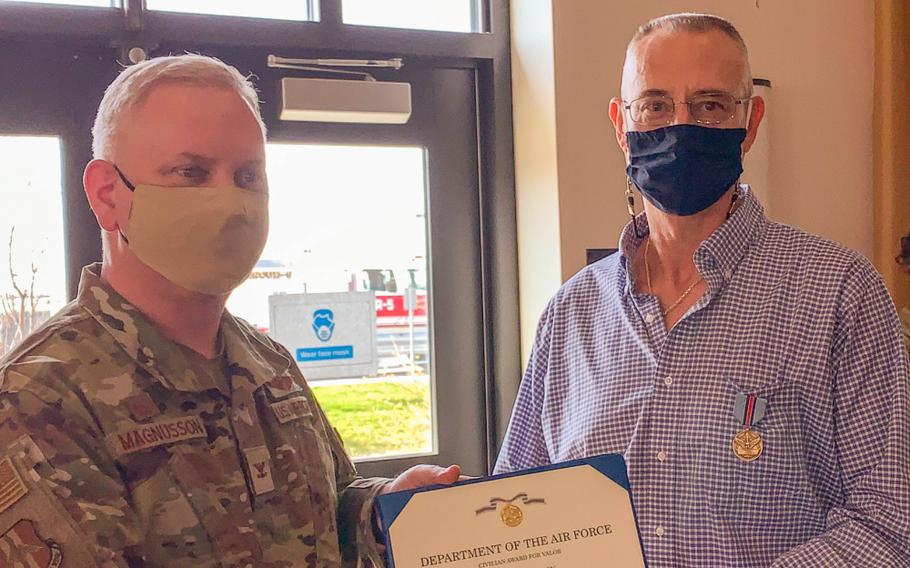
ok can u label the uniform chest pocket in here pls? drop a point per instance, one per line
(172, 528)
(193, 501)
(294, 421)
(744, 491)
(305, 460)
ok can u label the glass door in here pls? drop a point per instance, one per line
(349, 222)
(44, 217)
(32, 269)
(385, 216)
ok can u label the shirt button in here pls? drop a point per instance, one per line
(661, 455)
(728, 274)
(659, 531)
(668, 381)
(649, 318)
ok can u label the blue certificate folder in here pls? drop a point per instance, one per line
(391, 505)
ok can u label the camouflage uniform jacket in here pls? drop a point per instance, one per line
(114, 452)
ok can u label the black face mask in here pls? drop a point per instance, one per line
(684, 169)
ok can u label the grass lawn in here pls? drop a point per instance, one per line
(379, 418)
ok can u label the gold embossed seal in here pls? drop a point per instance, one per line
(511, 515)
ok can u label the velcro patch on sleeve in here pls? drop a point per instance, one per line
(291, 409)
(12, 488)
(22, 545)
(158, 433)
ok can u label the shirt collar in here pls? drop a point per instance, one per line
(719, 255)
(250, 355)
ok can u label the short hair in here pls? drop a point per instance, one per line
(134, 84)
(696, 23)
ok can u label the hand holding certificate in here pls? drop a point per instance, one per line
(572, 515)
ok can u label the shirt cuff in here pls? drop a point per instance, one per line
(359, 544)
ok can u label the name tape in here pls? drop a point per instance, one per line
(156, 434)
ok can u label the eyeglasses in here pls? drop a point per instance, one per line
(660, 110)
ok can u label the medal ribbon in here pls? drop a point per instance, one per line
(523, 496)
(750, 409)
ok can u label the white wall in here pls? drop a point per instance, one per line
(818, 55)
(537, 203)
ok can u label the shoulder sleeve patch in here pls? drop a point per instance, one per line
(22, 545)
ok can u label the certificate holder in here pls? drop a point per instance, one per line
(569, 515)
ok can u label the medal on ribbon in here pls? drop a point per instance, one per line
(748, 409)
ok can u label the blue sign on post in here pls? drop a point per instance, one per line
(330, 335)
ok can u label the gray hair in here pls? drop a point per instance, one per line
(696, 23)
(134, 84)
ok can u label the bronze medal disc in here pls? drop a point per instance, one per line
(748, 445)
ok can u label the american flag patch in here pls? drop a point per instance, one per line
(12, 488)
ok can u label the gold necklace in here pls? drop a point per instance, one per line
(699, 279)
(651, 290)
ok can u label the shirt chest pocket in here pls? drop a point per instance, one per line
(745, 491)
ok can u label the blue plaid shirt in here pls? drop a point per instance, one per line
(792, 318)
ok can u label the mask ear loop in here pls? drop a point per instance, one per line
(630, 204)
(129, 185)
(736, 191)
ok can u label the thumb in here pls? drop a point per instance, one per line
(423, 475)
(448, 475)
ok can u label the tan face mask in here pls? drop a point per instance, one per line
(204, 239)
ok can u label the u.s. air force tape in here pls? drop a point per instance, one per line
(291, 409)
(154, 434)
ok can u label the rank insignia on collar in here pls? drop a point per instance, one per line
(281, 387)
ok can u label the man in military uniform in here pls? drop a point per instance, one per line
(144, 425)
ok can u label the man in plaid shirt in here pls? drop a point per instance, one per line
(903, 259)
(752, 375)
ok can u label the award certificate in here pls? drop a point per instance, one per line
(577, 514)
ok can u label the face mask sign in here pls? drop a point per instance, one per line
(204, 239)
(684, 169)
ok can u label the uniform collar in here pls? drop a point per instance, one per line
(250, 355)
(719, 255)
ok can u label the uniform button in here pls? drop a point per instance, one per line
(668, 380)
(661, 455)
(649, 318)
(659, 531)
